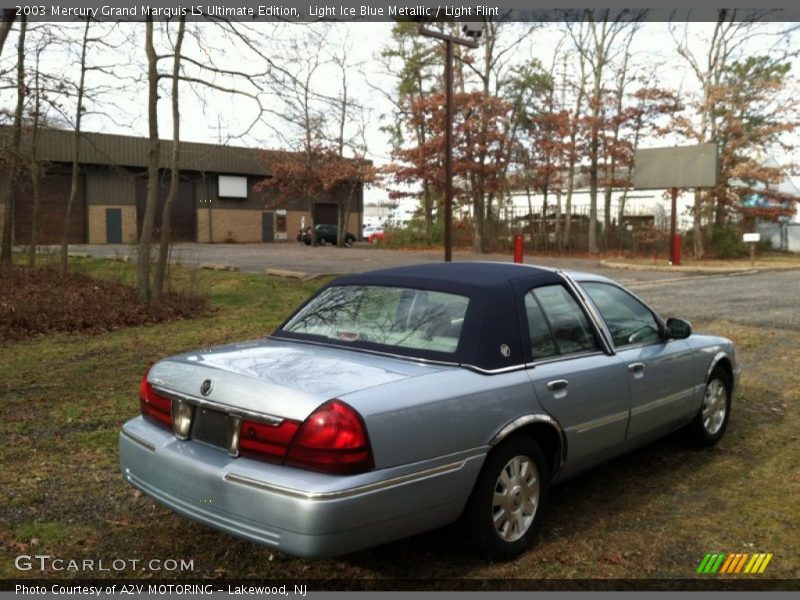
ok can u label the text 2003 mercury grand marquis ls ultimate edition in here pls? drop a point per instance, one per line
(397, 401)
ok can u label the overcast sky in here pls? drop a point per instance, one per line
(210, 116)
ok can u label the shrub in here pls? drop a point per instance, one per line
(726, 242)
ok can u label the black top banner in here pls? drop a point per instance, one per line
(388, 10)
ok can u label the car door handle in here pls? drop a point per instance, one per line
(636, 367)
(557, 384)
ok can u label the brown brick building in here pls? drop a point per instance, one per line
(216, 202)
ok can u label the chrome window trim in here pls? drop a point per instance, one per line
(349, 492)
(561, 357)
(594, 316)
(425, 361)
(518, 367)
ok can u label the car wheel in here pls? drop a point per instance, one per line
(711, 420)
(321, 241)
(348, 241)
(508, 500)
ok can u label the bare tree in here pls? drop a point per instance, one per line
(415, 77)
(599, 49)
(34, 167)
(76, 153)
(496, 77)
(146, 236)
(16, 135)
(200, 71)
(575, 133)
(708, 60)
(174, 183)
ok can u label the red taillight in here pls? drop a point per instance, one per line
(332, 439)
(154, 407)
(266, 442)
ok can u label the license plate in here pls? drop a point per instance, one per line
(211, 427)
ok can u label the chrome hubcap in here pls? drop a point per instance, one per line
(516, 497)
(715, 406)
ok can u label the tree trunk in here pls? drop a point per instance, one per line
(9, 14)
(34, 169)
(73, 188)
(558, 222)
(531, 227)
(594, 148)
(145, 239)
(607, 217)
(11, 174)
(697, 238)
(174, 180)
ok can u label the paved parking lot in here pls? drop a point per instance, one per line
(256, 258)
(768, 299)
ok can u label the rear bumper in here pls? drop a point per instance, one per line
(298, 512)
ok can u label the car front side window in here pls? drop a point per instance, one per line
(628, 320)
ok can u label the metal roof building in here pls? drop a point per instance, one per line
(216, 202)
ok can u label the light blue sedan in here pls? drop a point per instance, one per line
(401, 400)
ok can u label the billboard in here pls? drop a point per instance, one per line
(694, 166)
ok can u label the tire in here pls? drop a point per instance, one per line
(508, 500)
(711, 420)
(348, 241)
(321, 241)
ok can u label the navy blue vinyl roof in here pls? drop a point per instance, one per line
(468, 274)
(492, 334)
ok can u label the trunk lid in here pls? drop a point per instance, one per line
(279, 378)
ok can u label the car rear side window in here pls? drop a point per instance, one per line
(390, 316)
(556, 323)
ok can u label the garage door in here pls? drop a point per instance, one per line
(53, 196)
(183, 224)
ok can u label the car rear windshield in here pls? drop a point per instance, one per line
(390, 316)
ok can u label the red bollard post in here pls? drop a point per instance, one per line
(677, 243)
(519, 246)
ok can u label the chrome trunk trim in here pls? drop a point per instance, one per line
(346, 493)
(138, 440)
(226, 408)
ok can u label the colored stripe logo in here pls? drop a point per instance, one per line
(749, 564)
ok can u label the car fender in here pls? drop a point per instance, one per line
(529, 419)
(715, 361)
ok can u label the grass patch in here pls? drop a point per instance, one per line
(653, 513)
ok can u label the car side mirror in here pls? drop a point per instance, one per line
(678, 329)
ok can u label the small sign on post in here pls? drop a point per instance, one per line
(752, 239)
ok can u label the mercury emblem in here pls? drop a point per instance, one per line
(206, 387)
